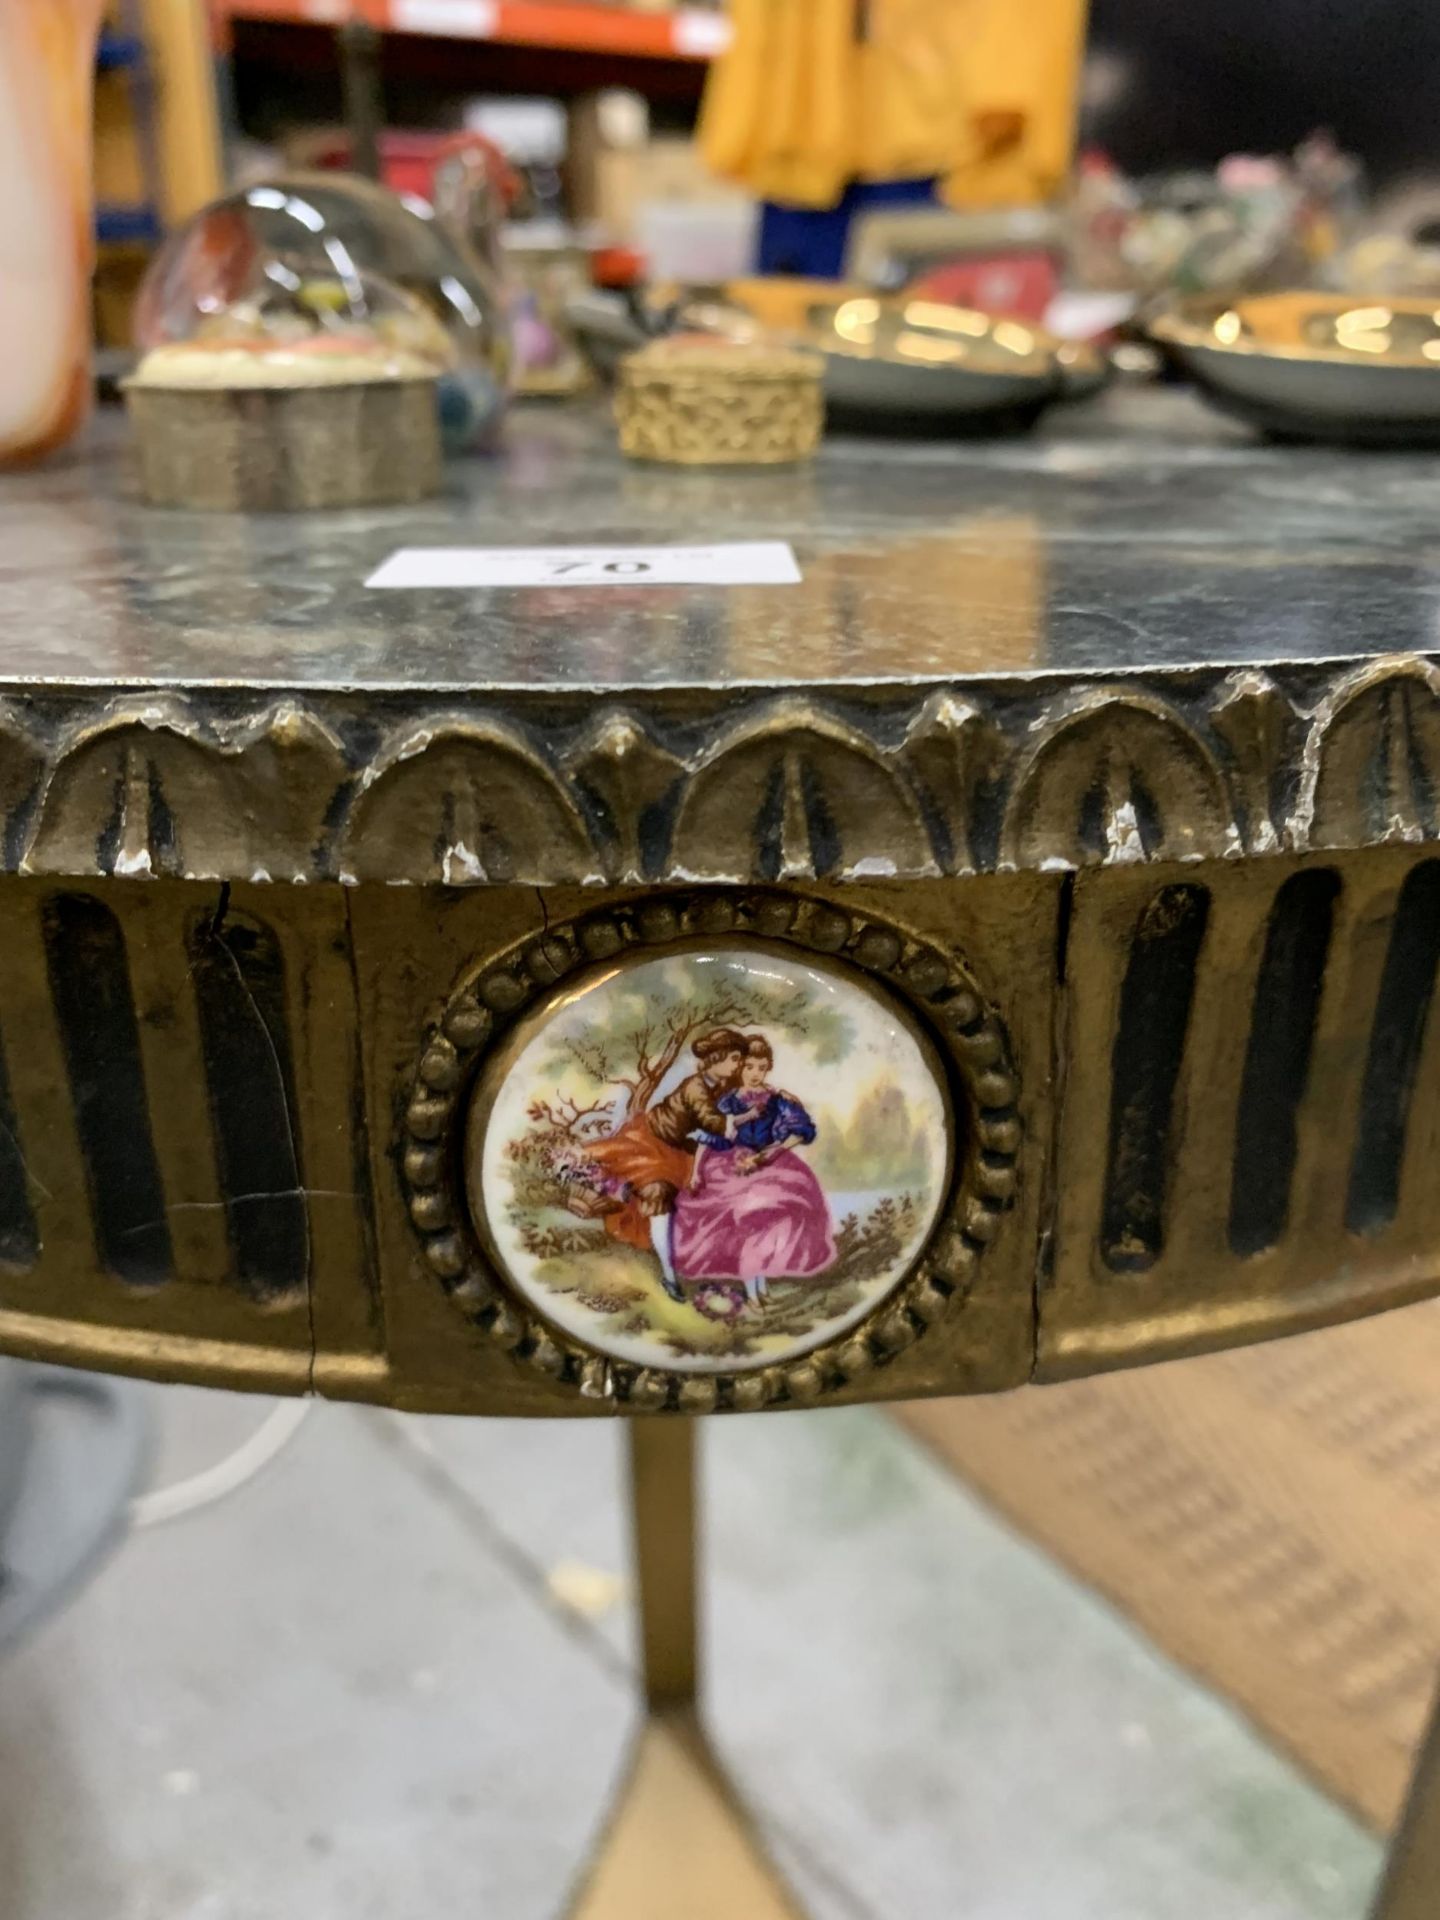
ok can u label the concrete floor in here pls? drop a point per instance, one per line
(383, 1681)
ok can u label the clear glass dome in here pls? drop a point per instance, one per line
(284, 314)
(331, 253)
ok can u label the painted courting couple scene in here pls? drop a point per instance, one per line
(715, 1160)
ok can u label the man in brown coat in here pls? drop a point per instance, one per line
(653, 1152)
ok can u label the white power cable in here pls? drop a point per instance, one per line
(227, 1476)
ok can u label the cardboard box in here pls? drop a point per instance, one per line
(616, 167)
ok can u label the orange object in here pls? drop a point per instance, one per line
(47, 247)
(617, 267)
(783, 301)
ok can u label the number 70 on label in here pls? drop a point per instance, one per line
(736, 563)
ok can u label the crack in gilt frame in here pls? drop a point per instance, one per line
(933, 986)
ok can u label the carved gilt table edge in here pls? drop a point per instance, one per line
(692, 785)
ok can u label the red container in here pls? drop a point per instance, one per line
(407, 160)
(1021, 282)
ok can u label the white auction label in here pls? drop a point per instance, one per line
(475, 19)
(702, 36)
(738, 563)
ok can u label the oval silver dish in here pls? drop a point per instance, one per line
(1314, 366)
(891, 363)
(926, 363)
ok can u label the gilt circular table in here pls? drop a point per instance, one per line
(1001, 951)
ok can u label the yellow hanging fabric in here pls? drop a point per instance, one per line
(731, 113)
(1022, 79)
(813, 94)
(779, 106)
(912, 99)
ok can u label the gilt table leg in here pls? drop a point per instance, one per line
(664, 1500)
(678, 1839)
(1410, 1889)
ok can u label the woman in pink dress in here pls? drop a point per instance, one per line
(754, 1210)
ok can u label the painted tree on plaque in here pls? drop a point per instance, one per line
(634, 1051)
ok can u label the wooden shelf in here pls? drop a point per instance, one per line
(686, 33)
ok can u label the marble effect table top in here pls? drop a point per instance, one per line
(1135, 532)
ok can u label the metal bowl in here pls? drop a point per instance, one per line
(888, 363)
(1315, 366)
(923, 363)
